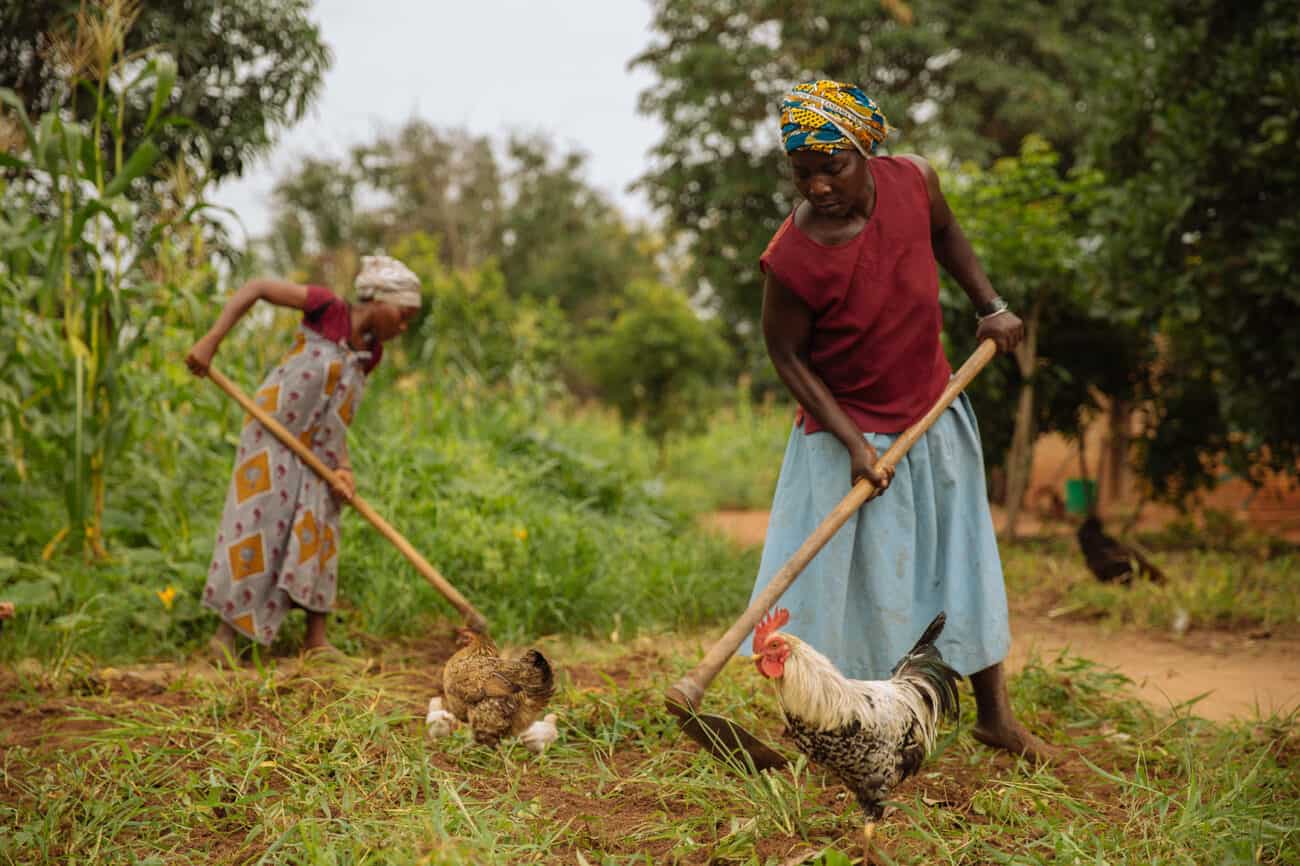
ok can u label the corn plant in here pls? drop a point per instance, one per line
(81, 275)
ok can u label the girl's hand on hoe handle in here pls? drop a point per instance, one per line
(347, 485)
(199, 358)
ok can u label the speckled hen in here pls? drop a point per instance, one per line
(497, 697)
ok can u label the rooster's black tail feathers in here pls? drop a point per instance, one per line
(926, 662)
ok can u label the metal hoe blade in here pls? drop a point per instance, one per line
(727, 741)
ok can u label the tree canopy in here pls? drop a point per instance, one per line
(1200, 133)
(970, 79)
(245, 70)
(553, 235)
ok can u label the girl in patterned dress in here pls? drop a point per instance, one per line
(277, 546)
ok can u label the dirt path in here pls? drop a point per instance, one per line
(1234, 673)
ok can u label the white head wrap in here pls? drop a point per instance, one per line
(386, 279)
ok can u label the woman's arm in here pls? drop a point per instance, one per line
(282, 293)
(953, 251)
(787, 330)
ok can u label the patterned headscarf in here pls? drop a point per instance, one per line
(831, 115)
(388, 280)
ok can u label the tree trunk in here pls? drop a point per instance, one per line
(1020, 459)
(1116, 459)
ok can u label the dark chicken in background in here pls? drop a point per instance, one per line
(1109, 560)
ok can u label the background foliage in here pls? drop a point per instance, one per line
(1204, 233)
(580, 385)
(245, 70)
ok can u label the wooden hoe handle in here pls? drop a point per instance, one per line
(687, 691)
(473, 618)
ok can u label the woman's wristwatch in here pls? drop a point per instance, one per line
(995, 307)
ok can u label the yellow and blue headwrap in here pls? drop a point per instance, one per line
(831, 115)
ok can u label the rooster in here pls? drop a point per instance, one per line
(496, 697)
(870, 734)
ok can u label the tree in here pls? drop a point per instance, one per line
(970, 78)
(1203, 232)
(554, 236)
(474, 329)
(1030, 227)
(91, 259)
(657, 362)
(245, 69)
(443, 182)
(563, 240)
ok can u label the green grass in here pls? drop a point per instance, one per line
(546, 532)
(732, 463)
(329, 766)
(567, 531)
(1221, 589)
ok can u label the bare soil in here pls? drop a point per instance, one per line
(61, 716)
(1229, 675)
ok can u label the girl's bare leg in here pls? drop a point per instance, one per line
(222, 643)
(315, 638)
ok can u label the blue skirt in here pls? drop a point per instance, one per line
(925, 545)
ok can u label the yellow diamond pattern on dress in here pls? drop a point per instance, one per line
(246, 557)
(299, 343)
(268, 399)
(348, 407)
(245, 624)
(253, 477)
(308, 537)
(332, 377)
(327, 548)
(307, 435)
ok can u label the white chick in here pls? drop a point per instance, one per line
(438, 721)
(540, 734)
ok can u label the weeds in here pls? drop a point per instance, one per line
(1214, 588)
(303, 765)
(544, 536)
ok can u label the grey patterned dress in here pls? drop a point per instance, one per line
(278, 542)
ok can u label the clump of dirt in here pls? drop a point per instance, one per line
(637, 667)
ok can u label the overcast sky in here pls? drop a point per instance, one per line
(489, 66)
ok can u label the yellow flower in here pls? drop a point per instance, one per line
(167, 596)
(521, 534)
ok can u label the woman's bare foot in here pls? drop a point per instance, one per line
(996, 724)
(1016, 739)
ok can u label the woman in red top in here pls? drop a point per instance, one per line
(277, 546)
(852, 323)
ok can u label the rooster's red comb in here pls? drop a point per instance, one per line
(768, 624)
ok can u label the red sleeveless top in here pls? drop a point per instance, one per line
(875, 304)
(330, 316)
